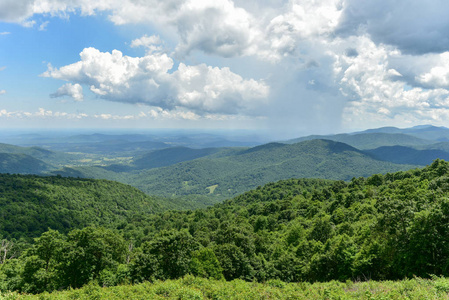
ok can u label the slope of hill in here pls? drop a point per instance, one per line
(29, 204)
(408, 155)
(248, 169)
(370, 140)
(49, 157)
(22, 164)
(221, 177)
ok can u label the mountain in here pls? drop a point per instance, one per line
(30, 204)
(408, 155)
(369, 140)
(427, 132)
(22, 164)
(224, 176)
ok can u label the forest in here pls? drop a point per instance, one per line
(383, 227)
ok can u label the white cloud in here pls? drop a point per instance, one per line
(374, 63)
(150, 43)
(41, 113)
(43, 26)
(73, 90)
(374, 91)
(5, 33)
(147, 80)
(2, 92)
(438, 75)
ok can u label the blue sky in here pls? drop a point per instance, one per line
(288, 67)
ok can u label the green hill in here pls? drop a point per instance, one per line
(22, 164)
(29, 204)
(50, 157)
(250, 168)
(408, 155)
(217, 177)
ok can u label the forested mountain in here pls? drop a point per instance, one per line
(29, 204)
(408, 155)
(49, 157)
(22, 163)
(369, 140)
(427, 132)
(390, 226)
(223, 176)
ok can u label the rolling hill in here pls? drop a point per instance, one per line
(222, 177)
(31, 204)
(22, 164)
(408, 155)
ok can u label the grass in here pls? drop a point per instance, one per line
(212, 188)
(191, 287)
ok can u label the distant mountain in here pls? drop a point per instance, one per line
(49, 157)
(370, 140)
(170, 156)
(22, 164)
(408, 155)
(225, 176)
(427, 132)
(115, 143)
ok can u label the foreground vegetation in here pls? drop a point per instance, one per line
(384, 227)
(196, 288)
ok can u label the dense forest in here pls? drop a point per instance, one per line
(390, 226)
(31, 204)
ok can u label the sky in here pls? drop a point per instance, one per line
(287, 67)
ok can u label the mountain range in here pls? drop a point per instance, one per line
(198, 176)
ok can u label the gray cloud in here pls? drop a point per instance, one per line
(15, 11)
(414, 26)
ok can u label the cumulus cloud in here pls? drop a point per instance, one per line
(376, 93)
(73, 90)
(201, 88)
(438, 75)
(355, 59)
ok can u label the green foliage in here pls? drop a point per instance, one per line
(384, 227)
(29, 204)
(190, 287)
(167, 256)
